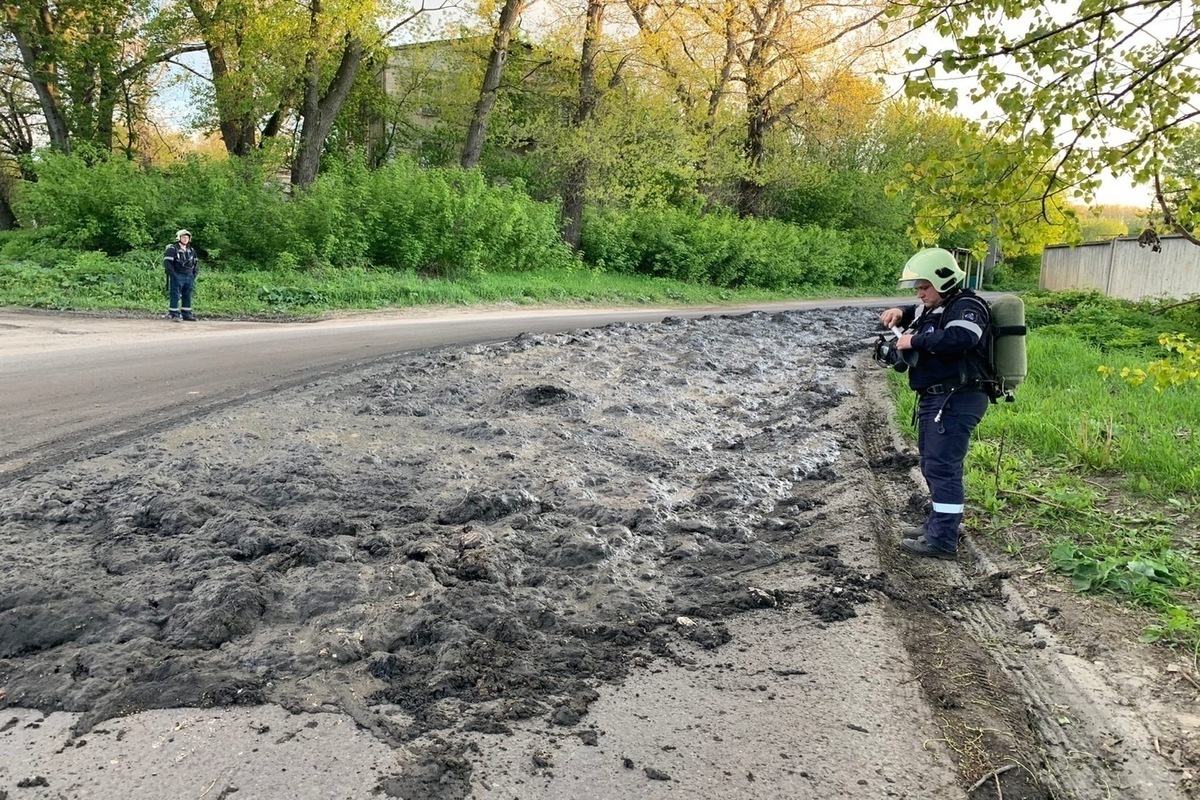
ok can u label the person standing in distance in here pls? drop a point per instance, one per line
(948, 330)
(182, 266)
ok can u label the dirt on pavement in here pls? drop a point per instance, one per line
(644, 560)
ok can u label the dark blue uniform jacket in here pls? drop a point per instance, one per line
(181, 260)
(951, 342)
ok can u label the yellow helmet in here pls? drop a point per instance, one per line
(935, 265)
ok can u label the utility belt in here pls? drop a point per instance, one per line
(948, 388)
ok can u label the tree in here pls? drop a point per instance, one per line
(1177, 190)
(342, 34)
(87, 59)
(19, 129)
(577, 175)
(769, 64)
(477, 131)
(321, 104)
(1069, 91)
(250, 46)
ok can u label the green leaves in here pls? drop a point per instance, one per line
(398, 217)
(1099, 569)
(727, 251)
(1080, 89)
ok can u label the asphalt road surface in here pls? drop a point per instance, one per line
(662, 446)
(76, 385)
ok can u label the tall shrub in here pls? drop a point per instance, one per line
(725, 250)
(443, 222)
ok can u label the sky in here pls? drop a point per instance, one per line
(1119, 191)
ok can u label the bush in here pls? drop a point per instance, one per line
(442, 222)
(1105, 322)
(107, 206)
(450, 223)
(726, 251)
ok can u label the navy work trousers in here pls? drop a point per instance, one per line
(179, 290)
(943, 446)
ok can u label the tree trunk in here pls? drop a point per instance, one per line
(576, 185)
(320, 111)
(749, 198)
(237, 129)
(477, 132)
(8, 217)
(106, 107)
(41, 72)
(275, 121)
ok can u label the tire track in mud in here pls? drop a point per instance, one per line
(1023, 718)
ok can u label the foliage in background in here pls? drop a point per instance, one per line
(1078, 90)
(727, 251)
(442, 222)
(1098, 479)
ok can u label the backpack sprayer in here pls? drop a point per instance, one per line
(1006, 364)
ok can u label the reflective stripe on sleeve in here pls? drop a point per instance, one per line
(971, 326)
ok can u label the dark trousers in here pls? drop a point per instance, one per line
(943, 446)
(179, 291)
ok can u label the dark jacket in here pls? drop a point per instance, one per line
(952, 340)
(181, 260)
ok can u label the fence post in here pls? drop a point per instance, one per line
(1112, 256)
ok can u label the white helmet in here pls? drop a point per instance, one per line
(180, 234)
(935, 265)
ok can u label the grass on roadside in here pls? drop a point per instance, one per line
(136, 284)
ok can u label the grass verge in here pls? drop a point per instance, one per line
(138, 286)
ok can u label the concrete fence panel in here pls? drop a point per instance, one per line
(1122, 268)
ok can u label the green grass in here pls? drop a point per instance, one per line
(136, 284)
(1098, 479)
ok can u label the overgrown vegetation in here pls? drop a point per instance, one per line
(396, 236)
(1099, 479)
(724, 250)
(439, 222)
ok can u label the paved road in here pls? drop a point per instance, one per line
(75, 385)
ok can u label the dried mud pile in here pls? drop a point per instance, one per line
(446, 541)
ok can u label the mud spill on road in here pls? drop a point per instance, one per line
(448, 541)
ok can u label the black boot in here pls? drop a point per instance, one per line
(920, 547)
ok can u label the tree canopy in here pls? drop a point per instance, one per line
(769, 108)
(1067, 91)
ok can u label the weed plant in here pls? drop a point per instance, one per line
(1096, 478)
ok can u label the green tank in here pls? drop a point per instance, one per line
(1009, 361)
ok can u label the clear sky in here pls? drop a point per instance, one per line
(1120, 191)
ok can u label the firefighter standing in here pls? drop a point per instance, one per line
(947, 329)
(182, 266)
